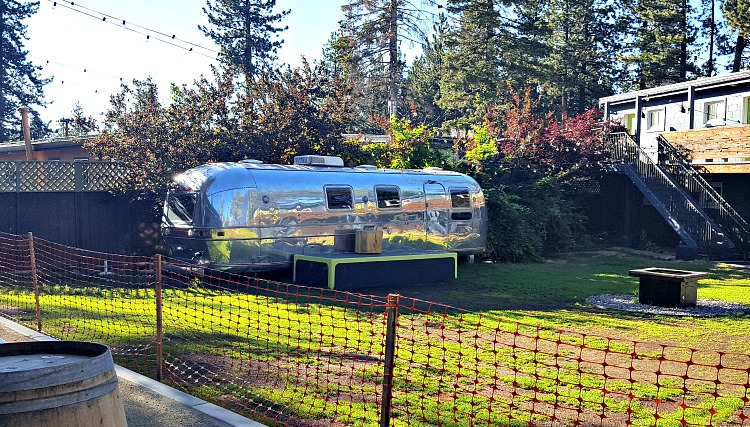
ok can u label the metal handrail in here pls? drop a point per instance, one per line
(728, 217)
(623, 149)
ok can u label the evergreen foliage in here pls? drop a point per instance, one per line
(20, 83)
(375, 30)
(246, 33)
(472, 73)
(660, 31)
(581, 46)
(423, 79)
(78, 124)
(738, 19)
(715, 36)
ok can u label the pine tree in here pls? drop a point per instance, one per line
(472, 74)
(738, 18)
(424, 74)
(20, 83)
(661, 34)
(524, 42)
(714, 34)
(246, 33)
(365, 80)
(580, 58)
(376, 28)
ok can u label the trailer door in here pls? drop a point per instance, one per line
(437, 207)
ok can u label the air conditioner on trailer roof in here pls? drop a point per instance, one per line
(319, 161)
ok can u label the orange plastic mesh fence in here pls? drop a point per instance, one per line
(15, 278)
(284, 352)
(296, 355)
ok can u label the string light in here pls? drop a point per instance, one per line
(68, 84)
(100, 16)
(85, 70)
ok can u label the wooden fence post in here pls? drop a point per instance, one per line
(35, 281)
(159, 325)
(390, 355)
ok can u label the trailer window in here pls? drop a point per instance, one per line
(388, 196)
(180, 207)
(460, 198)
(339, 198)
(460, 204)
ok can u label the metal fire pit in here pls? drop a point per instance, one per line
(665, 287)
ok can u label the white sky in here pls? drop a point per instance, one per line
(88, 57)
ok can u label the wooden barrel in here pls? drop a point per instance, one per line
(58, 383)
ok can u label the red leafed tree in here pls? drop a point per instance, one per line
(526, 136)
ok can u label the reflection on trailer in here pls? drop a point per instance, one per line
(249, 216)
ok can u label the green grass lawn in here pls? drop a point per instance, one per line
(236, 348)
(553, 293)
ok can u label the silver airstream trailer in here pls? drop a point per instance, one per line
(250, 216)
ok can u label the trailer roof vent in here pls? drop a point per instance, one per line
(319, 161)
(432, 169)
(252, 161)
(367, 167)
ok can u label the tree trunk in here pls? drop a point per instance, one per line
(393, 66)
(683, 43)
(3, 72)
(711, 40)
(738, 48)
(248, 67)
(247, 61)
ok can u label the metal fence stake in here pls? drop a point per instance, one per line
(390, 355)
(35, 281)
(159, 329)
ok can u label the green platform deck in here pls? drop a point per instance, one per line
(345, 271)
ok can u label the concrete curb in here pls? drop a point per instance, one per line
(178, 396)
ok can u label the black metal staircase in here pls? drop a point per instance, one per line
(669, 195)
(736, 228)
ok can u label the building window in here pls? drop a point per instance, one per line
(339, 198)
(629, 123)
(388, 197)
(714, 113)
(655, 120)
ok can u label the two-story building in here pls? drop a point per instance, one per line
(691, 135)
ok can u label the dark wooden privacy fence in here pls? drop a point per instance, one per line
(78, 204)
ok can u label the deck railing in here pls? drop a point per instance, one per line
(675, 199)
(710, 199)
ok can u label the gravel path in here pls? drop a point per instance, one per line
(704, 308)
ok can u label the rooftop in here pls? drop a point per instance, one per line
(698, 84)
